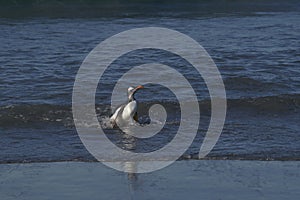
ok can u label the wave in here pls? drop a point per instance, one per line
(244, 83)
(12, 115)
(280, 103)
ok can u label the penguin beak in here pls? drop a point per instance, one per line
(139, 87)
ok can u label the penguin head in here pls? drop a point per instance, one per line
(131, 91)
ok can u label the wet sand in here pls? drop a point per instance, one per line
(205, 179)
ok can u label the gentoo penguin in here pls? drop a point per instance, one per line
(127, 112)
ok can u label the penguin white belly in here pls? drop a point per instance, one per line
(129, 111)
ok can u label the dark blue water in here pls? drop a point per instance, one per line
(256, 47)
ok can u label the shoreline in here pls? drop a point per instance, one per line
(184, 159)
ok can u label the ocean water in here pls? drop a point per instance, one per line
(255, 45)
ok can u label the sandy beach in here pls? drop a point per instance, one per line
(205, 179)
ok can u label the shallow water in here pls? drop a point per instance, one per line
(255, 49)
